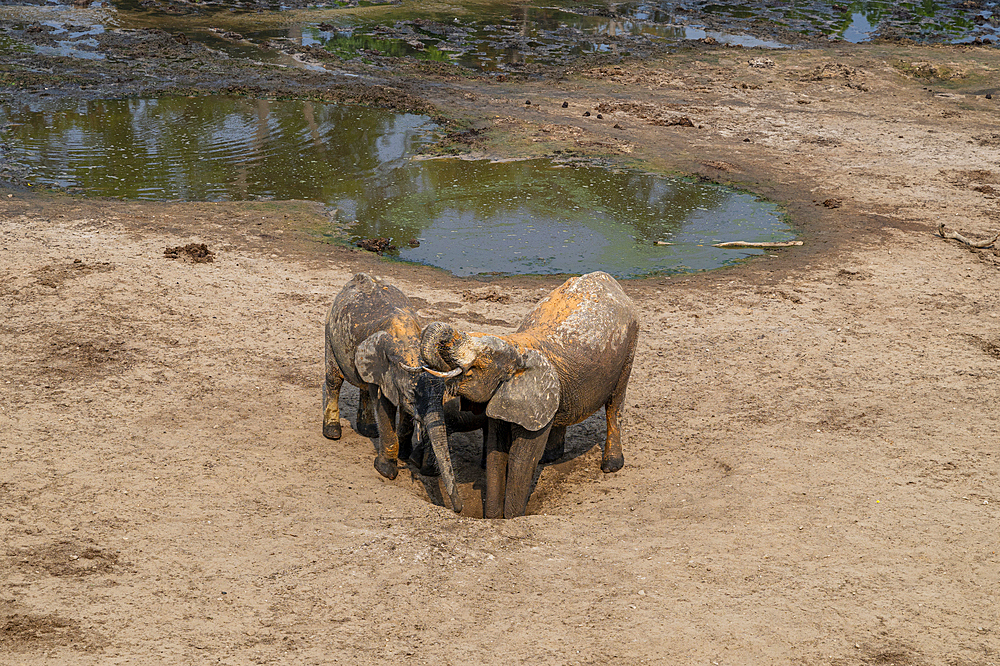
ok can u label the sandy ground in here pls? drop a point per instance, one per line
(810, 439)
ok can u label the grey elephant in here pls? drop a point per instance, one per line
(571, 355)
(373, 341)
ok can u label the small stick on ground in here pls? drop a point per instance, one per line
(749, 244)
(959, 237)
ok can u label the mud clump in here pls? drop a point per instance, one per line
(195, 252)
(679, 121)
(377, 245)
(488, 294)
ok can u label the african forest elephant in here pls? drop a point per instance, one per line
(373, 341)
(571, 355)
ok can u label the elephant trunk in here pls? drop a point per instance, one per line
(437, 433)
(438, 344)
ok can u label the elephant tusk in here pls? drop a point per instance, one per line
(444, 375)
(409, 368)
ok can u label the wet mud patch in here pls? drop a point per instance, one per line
(989, 347)
(296, 377)
(66, 558)
(851, 77)
(491, 294)
(984, 181)
(988, 140)
(892, 657)
(79, 357)
(845, 276)
(966, 177)
(55, 275)
(26, 631)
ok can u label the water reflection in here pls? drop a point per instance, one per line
(503, 36)
(863, 20)
(211, 148)
(468, 217)
(540, 217)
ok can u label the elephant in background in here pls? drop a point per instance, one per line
(372, 340)
(571, 355)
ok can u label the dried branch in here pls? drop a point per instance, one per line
(954, 235)
(749, 244)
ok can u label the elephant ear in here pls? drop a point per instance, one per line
(531, 397)
(377, 362)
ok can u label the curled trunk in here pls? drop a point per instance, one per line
(438, 344)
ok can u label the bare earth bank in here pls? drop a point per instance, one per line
(811, 441)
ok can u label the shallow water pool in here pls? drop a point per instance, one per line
(467, 217)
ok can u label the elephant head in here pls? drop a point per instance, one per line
(519, 387)
(380, 360)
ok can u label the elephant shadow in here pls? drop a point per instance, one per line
(350, 396)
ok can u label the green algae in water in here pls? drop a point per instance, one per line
(540, 217)
(467, 217)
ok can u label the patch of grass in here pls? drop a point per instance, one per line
(931, 71)
(11, 46)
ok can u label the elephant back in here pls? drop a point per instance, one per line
(590, 313)
(365, 306)
(588, 329)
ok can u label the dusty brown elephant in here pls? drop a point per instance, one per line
(373, 341)
(571, 356)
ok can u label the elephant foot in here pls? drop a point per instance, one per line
(613, 463)
(367, 430)
(332, 430)
(386, 468)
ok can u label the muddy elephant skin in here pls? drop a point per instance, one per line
(571, 356)
(373, 341)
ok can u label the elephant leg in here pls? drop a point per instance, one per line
(613, 459)
(525, 451)
(404, 433)
(331, 402)
(482, 459)
(422, 457)
(556, 446)
(367, 419)
(388, 445)
(496, 454)
(469, 416)
(428, 464)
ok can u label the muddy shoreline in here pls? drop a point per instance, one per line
(811, 473)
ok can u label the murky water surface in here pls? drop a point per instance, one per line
(503, 36)
(498, 36)
(468, 217)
